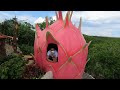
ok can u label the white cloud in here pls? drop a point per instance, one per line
(4, 16)
(97, 31)
(26, 18)
(96, 15)
(39, 20)
(54, 17)
(99, 23)
(63, 14)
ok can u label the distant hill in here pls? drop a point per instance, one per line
(104, 57)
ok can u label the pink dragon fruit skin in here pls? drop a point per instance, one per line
(72, 49)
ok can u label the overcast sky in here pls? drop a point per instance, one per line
(95, 23)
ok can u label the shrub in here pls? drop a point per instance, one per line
(104, 54)
(32, 72)
(26, 49)
(7, 58)
(12, 68)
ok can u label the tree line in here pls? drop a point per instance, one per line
(26, 31)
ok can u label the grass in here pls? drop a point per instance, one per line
(104, 55)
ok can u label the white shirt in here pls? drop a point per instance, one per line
(50, 54)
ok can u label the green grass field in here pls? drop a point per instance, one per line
(104, 57)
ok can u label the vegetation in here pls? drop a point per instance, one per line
(26, 34)
(43, 24)
(6, 59)
(12, 68)
(32, 72)
(26, 49)
(104, 54)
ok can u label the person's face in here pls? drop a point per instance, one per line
(52, 49)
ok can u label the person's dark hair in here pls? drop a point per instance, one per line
(52, 45)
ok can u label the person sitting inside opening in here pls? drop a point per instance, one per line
(52, 55)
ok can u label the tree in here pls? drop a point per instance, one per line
(26, 34)
(51, 20)
(6, 27)
(43, 24)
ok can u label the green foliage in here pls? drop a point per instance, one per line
(26, 31)
(33, 72)
(6, 27)
(104, 54)
(26, 49)
(7, 58)
(12, 68)
(43, 24)
(26, 35)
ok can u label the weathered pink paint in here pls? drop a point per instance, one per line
(72, 49)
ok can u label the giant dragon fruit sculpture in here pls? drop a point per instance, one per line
(72, 48)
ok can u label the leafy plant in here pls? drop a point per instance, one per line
(32, 72)
(12, 68)
(26, 49)
(104, 54)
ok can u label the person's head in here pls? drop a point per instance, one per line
(52, 49)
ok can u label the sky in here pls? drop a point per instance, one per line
(94, 23)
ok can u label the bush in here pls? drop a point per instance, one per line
(26, 49)
(7, 58)
(33, 72)
(104, 54)
(12, 68)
